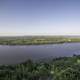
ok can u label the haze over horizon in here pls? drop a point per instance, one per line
(39, 17)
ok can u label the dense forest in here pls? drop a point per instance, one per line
(63, 68)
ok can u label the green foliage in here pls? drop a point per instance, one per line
(36, 40)
(66, 68)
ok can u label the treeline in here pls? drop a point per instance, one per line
(36, 40)
(65, 68)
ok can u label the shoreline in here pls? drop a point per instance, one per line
(37, 44)
(37, 40)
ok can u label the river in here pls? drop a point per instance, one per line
(18, 54)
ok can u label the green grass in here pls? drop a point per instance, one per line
(37, 40)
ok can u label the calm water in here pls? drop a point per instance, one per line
(17, 54)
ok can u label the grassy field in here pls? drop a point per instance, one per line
(37, 40)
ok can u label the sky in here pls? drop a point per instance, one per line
(39, 17)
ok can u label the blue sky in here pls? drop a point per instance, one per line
(39, 17)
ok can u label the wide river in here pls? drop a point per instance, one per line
(17, 54)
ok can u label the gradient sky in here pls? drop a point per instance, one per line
(39, 17)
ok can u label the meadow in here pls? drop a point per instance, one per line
(37, 40)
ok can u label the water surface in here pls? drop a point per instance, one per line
(17, 54)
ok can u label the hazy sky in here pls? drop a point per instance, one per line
(39, 17)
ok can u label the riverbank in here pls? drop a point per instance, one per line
(37, 40)
(63, 68)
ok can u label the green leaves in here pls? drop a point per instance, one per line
(66, 68)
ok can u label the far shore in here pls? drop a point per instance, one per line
(38, 40)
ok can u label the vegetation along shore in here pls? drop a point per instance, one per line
(63, 68)
(37, 40)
